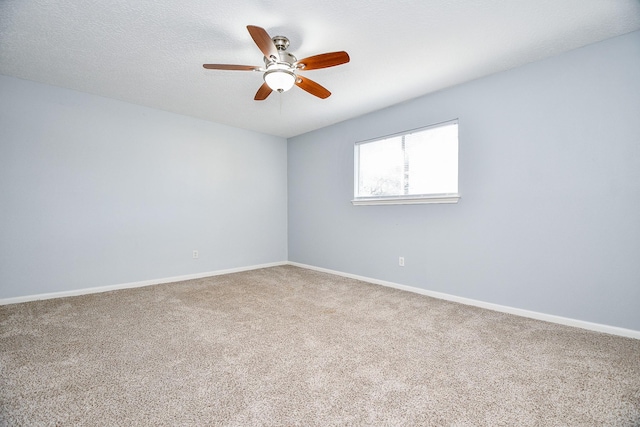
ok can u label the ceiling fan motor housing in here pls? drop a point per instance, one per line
(285, 58)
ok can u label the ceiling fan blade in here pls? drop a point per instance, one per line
(312, 87)
(230, 67)
(264, 42)
(324, 60)
(263, 92)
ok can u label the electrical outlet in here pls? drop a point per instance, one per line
(401, 261)
(195, 254)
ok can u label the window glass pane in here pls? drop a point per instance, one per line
(433, 160)
(381, 167)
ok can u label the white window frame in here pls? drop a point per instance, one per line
(403, 199)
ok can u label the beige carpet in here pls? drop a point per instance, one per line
(287, 346)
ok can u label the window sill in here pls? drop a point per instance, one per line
(404, 200)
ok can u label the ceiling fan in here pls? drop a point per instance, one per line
(281, 67)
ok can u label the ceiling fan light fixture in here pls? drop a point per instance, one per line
(279, 79)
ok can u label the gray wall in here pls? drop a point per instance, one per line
(549, 218)
(97, 192)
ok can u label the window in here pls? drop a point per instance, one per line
(419, 166)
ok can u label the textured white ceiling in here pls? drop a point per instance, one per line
(151, 52)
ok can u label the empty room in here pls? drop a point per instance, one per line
(278, 213)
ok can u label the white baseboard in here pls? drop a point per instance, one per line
(99, 289)
(629, 333)
(613, 330)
